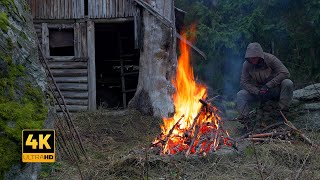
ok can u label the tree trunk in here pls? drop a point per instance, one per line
(158, 61)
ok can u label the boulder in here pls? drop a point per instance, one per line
(311, 92)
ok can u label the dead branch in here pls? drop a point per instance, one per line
(297, 131)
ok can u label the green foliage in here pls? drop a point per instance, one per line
(289, 29)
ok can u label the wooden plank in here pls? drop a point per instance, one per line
(74, 8)
(84, 40)
(104, 8)
(82, 79)
(108, 9)
(91, 65)
(116, 8)
(59, 9)
(70, 16)
(63, 9)
(96, 10)
(73, 108)
(69, 72)
(66, 9)
(75, 94)
(51, 4)
(81, 15)
(44, 9)
(70, 101)
(72, 86)
(67, 65)
(120, 8)
(124, 8)
(77, 40)
(111, 8)
(33, 7)
(78, 9)
(45, 39)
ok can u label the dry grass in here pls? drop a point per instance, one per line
(116, 143)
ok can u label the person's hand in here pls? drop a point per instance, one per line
(264, 90)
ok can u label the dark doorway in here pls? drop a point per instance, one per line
(117, 64)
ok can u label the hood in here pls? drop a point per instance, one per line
(254, 50)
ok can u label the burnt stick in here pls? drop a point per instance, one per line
(193, 140)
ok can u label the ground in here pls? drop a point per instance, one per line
(116, 142)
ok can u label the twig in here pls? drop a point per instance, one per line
(301, 134)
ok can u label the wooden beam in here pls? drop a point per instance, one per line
(91, 65)
(191, 45)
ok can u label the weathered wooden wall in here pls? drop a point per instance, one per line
(75, 9)
(57, 9)
(70, 72)
(111, 8)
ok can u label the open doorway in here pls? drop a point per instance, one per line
(117, 64)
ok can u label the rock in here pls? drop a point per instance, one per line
(309, 121)
(311, 92)
(312, 106)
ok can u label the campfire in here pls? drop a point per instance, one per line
(196, 127)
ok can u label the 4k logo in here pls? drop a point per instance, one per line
(38, 146)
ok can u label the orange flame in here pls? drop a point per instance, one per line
(188, 92)
(179, 132)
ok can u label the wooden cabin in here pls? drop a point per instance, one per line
(92, 48)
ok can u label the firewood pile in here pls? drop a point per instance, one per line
(284, 132)
(200, 138)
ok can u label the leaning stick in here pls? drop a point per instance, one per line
(290, 125)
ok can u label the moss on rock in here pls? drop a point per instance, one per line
(4, 22)
(22, 106)
(9, 153)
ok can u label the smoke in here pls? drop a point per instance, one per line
(232, 73)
